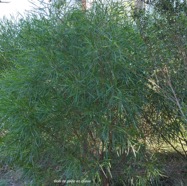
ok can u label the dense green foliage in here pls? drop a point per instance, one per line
(79, 94)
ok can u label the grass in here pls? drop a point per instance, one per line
(172, 165)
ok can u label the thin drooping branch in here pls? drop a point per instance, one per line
(175, 95)
(163, 137)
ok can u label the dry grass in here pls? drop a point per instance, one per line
(172, 164)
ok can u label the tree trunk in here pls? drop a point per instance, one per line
(139, 4)
(83, 4)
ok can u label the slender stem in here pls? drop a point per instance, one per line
(175, 96)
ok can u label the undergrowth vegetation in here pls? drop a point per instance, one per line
(83, 93)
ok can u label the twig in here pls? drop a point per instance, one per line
(175, 96)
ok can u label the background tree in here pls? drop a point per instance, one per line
(164, 32)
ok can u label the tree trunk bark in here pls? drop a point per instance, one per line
(84, 5)
(139, 4)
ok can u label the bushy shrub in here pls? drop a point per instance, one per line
(78, 90)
